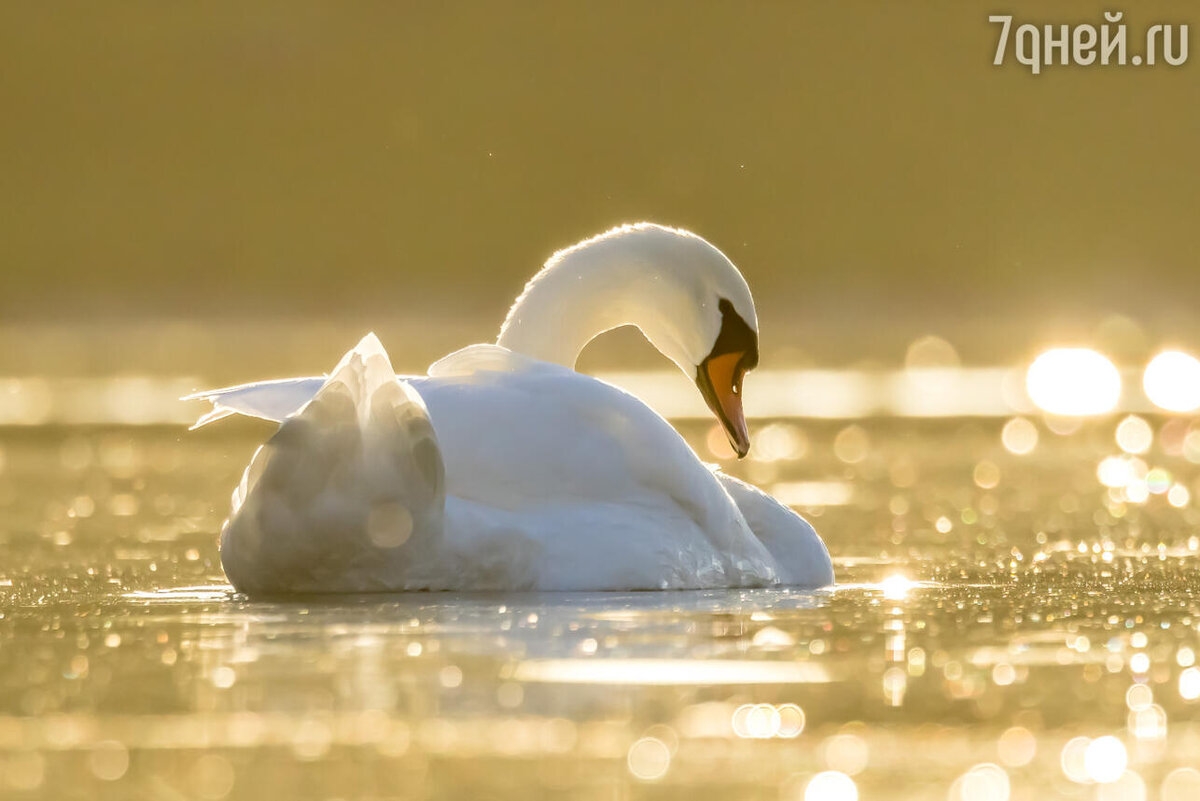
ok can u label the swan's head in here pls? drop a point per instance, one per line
(682, 292)
(700, 315)
(733, 353)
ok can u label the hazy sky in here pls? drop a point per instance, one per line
(861, 161)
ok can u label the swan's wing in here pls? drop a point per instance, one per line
(487, 358)
(269, 400)
(348, 495)
(279, 399)
(802, 557)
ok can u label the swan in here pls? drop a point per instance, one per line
(504, 468)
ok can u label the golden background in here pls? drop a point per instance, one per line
(864, 163)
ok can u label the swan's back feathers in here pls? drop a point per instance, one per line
(486, 358)
(348, 496)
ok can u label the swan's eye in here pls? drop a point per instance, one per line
(738, 376)
(736, 336)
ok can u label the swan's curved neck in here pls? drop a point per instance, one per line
(580, 293)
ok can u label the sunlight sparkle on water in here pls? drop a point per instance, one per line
(1182, 784)
(1139, 696)
(1104, 759)
(984, 782)
(1073, 382)
(764, 721)
(649, 759)
(1017, 746)
(778, 442)
(896, 588)
(847, 753)
(1072, 759)
(1148, 723)
(1172, 381)
(669, 671)
(1129, 786)
(1020, 436)
(1134, 434)
(1120, 472)
(831, 785)
(1189, 684)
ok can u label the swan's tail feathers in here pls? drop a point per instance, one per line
(268, 400)
(802, 560)
(349, 494)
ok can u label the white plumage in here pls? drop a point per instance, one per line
(553, 480)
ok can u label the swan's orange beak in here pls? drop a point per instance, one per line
(720, 381)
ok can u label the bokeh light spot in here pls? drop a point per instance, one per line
(851, 444)
(1020, 436)
(108, 760)
(1139, 696)
(1189, 684)
(986, 474)
(1172, 381)
(1072, 759)
(930, 352)
(1134, 435)
(1129, 786)
(1017, 746)
(846, 753)
(831, 785)
(649, 759)
(1105, 759)
(1073, 382)
(985, 782)
(1181, 784)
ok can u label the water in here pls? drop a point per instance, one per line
(1005, 626)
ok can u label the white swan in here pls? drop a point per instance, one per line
(505, 469)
